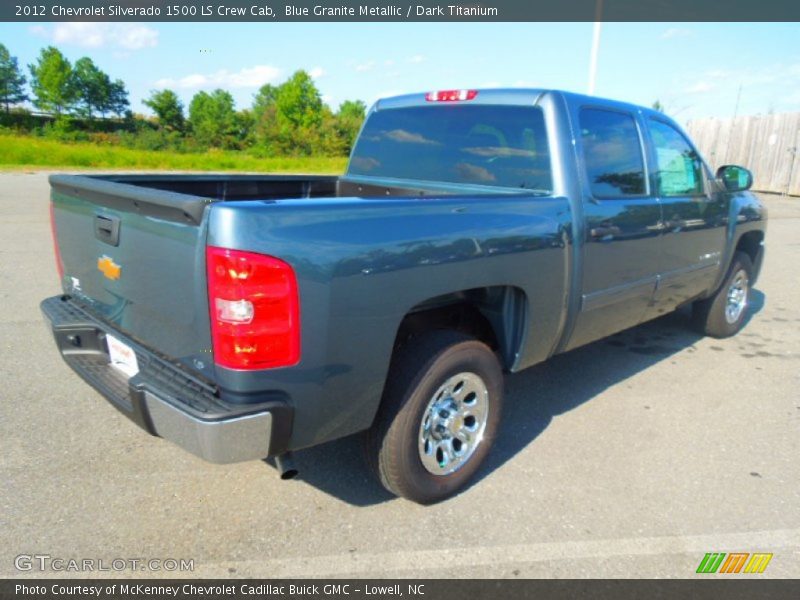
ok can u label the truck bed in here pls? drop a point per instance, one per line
(190, 193)
(234, 187)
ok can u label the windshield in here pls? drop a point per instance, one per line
(472, 144)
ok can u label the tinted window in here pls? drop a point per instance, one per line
(679, 169)
(612, 153)
(478, 144)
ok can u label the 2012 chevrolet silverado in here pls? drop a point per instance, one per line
(474, 232)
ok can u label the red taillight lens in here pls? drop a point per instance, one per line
(451, 95)
(56, 251)
(255, 311)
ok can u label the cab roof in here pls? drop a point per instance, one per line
(510, 96)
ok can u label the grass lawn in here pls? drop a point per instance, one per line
(24, 151)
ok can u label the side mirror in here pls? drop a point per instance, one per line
(735, 179)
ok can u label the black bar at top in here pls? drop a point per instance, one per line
(268, 11)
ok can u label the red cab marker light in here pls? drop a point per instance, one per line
(451, 95)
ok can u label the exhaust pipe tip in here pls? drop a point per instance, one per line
(285, 464)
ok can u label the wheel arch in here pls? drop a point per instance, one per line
(496, 315)
(752, 244)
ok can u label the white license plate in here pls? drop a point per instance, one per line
(122, 356)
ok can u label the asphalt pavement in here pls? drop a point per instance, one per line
(631, 457)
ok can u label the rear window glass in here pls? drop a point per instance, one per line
(612, 152)
(479, 145)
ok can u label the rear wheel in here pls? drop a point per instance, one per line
(438, 417)
(724, 314)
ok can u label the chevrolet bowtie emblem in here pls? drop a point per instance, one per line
(108, 267)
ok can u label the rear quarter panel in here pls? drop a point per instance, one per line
(363, 264)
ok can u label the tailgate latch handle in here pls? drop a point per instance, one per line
(106, 229)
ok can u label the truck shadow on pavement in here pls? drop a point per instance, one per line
(534, 397)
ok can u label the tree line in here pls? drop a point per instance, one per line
(59, 87)
(285, 119)
(288, 119)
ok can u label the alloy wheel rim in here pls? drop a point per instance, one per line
(736, 300)
(453, 423)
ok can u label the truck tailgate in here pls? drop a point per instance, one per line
(135, 258)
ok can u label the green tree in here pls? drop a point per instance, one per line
(264, 125)
(12, 81)
(117, 99)
(265, 98)
(288, 118)
(291, 119)
(298, 102)
(213, 118)
(330, 142)
(349, 119)
(168, 109)
(658, 106)
(92, 88)
(245, 125)
(52, 81)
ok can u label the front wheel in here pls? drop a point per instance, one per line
(438, 418)
(724, 314)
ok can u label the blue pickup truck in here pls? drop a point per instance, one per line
(474, 232)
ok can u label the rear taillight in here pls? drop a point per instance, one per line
(451, 95)
(56, 251)
(255, 312)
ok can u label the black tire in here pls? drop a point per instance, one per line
(710, 316)
(420, 369)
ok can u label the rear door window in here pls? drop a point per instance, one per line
(612, 153)
(489, 145)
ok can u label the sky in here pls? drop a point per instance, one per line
(694, 69)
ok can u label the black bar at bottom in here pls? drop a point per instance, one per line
(706, 586)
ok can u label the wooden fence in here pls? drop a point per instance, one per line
(768, 145)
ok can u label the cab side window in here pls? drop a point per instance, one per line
(612, 153)
(680, 172)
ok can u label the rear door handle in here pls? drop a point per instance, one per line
(603, 232)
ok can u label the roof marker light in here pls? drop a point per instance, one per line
(451, 95)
